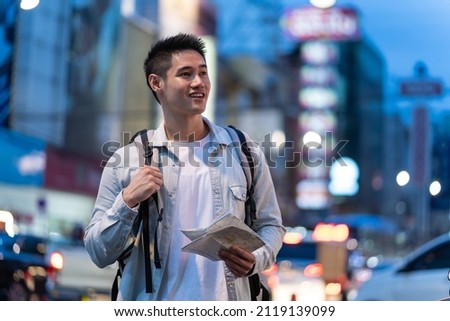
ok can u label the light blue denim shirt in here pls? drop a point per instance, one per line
(111, 228)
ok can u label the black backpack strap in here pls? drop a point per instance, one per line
(143, 215)
(256, 287)
(249, 170)
(115, 285)
(121, 261)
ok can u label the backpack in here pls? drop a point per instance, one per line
(250, 215)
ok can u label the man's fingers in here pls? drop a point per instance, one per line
(238, 260)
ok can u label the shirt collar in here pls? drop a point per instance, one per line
(218, 135)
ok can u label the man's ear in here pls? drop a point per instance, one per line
(155, 82)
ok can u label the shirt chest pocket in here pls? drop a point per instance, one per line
(236, 199)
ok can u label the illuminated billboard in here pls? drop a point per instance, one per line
(318, 96)
(309, 23)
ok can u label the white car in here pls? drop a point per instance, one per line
(420, 276)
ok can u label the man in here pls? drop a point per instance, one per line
(196, 182)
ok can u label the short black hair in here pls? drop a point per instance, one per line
(159, 58)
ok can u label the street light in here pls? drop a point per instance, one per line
(323, 4)
(421, 201)
(7, 220)
(402, 178)
(435, 188)
(28, 4)
(312, 139)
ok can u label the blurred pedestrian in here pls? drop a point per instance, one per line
(193, 190)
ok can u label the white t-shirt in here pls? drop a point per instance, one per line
(189, 276)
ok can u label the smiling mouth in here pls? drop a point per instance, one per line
(197, 96)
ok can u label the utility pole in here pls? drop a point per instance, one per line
(420, 89)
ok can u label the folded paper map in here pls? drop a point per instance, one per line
(223, 233)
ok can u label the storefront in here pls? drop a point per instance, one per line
(46, 189)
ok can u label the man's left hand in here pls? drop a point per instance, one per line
(238, 260)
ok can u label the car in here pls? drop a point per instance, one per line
(448, 297)
(23, 268)
(422, 275)
(296, 276)
(73, 276)
(299, 273)
(51, 268)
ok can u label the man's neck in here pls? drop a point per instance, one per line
(188, 131)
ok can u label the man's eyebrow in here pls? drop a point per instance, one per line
(190, 67)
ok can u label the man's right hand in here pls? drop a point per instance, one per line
(147, 181)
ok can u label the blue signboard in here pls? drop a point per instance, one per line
(22, 159)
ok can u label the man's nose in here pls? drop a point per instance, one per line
(197, 81)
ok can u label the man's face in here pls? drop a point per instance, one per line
(185, 89)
